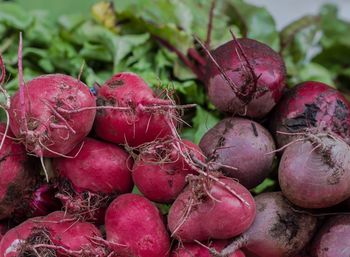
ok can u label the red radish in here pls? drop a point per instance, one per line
(333, 239)
(311, 105)
(243, 147)
(315, 171)
(245, 76)
(51, 114)
(197, 250)
(73, 238)
(133, 114)
(160, 170)
(135, 227)
(54, 235)
(96, 175)
(209, 209)
(278, 230)
(17, 172)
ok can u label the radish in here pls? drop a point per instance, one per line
(198, 250)
(51, 114)
(278, 229)
(314, 172)
(243, 147)
(160, 169)
(245, 76)
(209, 209)
(333, 239)
(135, 227)
(17, 172)
(53, 235)
(130, 113)
(312, 106)
(89, 182)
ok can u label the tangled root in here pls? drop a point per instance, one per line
(83, 206)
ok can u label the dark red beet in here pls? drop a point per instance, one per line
(315, 172)
(18, 175)
(311, 105)
(94, 177)
(257, 91)
(160, 170)
(333, 240)
(242, 144)
(197, 250)
(278, 230)
(135, 227)
(208, 209)
(142, 117)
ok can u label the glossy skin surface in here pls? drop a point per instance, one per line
(201, 219)
(266, 64)
(99, 167)
(52, 104)
(316, 178)
(135, 125)
(136, 228)
(242, 144)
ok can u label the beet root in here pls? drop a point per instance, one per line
(89, 182)
(160, 170)
(333, 238)
(130, 113)
(18, 175)
(53, 235)
(278, 230)
(315, 172)
(135, 227)
(242, 144)
(204, 204)
(253, 80)
(310, 106)
(57, 113)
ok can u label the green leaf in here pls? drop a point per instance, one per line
(2, 30)
(42, 30)
(158, 17)
(14, 16)
(257, 22)
(316, 72)
(202, 122)
(95, 52)
(70, 22)
(123, 46)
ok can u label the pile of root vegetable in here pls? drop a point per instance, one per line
(104, 169)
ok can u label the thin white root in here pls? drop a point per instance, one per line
(44, 168)
(6, 128)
